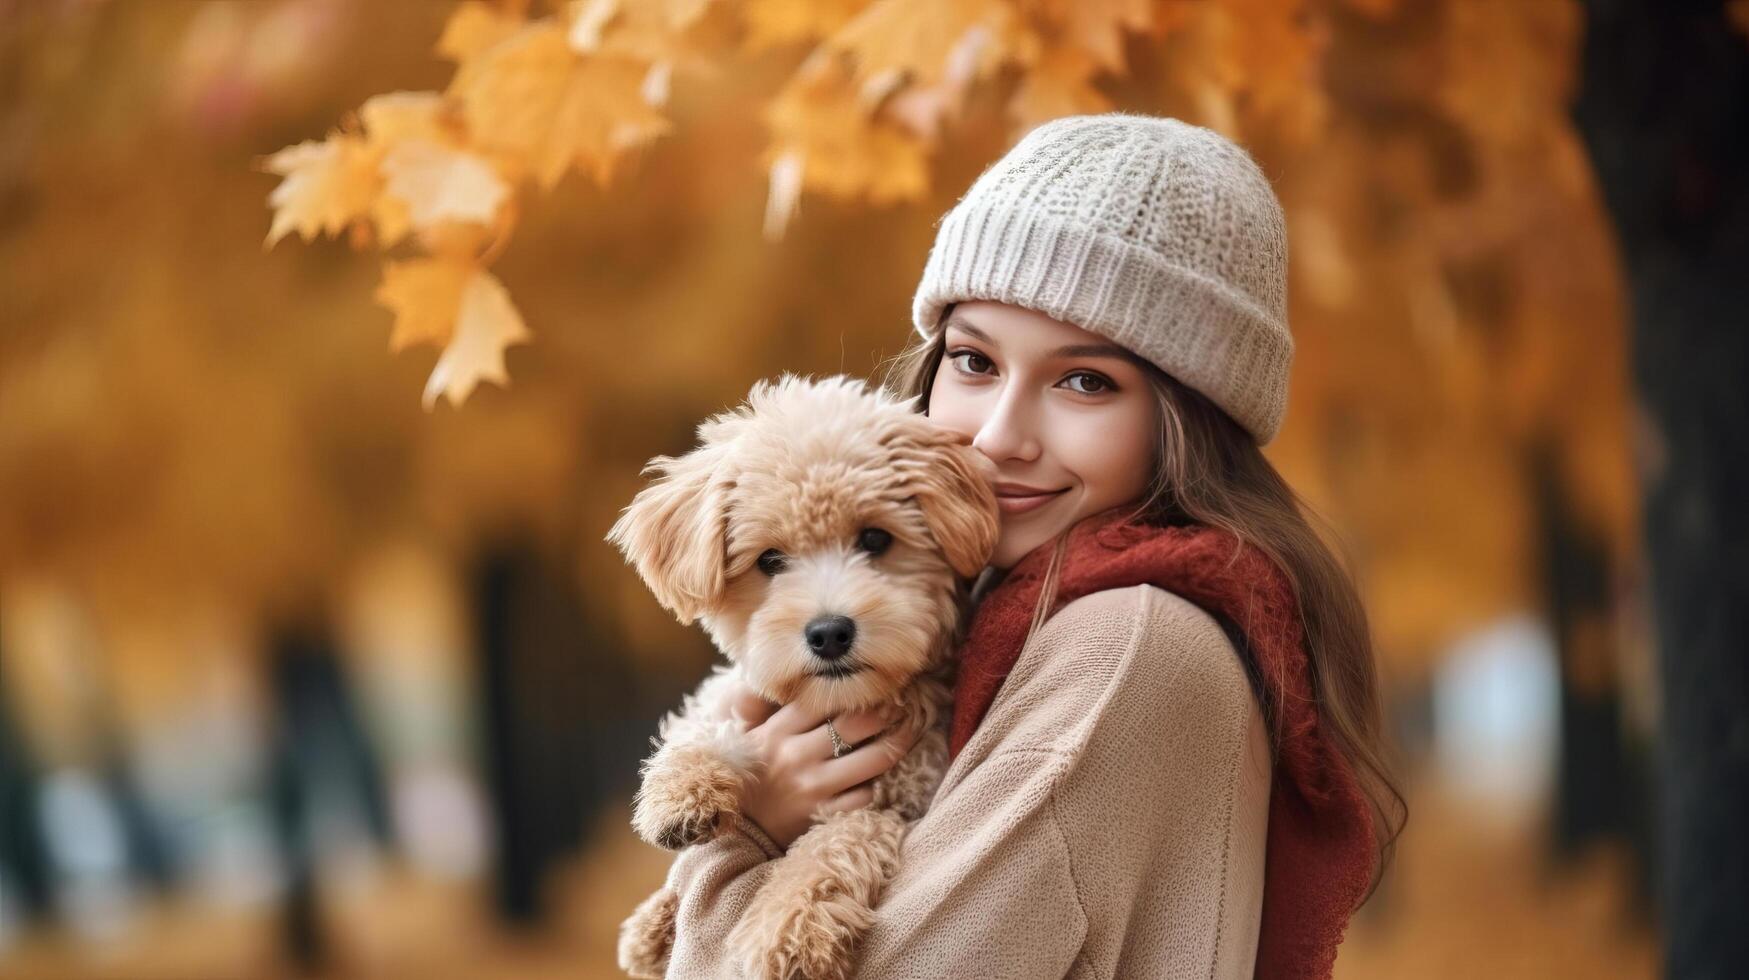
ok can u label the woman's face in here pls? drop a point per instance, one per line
(1065, 414)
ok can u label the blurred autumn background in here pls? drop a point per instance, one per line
(335, 334)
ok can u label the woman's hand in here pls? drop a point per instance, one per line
(800, 779)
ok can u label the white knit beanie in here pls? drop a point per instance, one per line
(1163, 236)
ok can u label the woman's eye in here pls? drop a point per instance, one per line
(772, 561)
(1100, 384)
(972, 358)
(874, 540)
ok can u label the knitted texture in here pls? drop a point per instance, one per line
(1163, 236)
(1320, 856)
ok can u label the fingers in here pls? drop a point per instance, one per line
(858, 726)
(852, 726)
(792, 719)
(747, 705)
(869, 761)
(854, 798)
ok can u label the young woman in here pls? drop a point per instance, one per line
(1166, 741)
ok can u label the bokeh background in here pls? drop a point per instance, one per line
(313, 660)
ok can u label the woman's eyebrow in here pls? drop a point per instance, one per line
(1091, 350)
(954, 321)
(1068, 350)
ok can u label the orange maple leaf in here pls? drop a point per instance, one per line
(826, 139)
(473, 28)
(327, 185)
(917, 38)
(532, 96)
(486, 323)
(1097, 27)
(454, 303)
(1059, 84)
(772, 23)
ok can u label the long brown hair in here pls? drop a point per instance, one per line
(1208, 470)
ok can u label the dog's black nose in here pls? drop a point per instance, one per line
(830, 636)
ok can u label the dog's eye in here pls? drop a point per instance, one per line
(874, 540)
(771, 561)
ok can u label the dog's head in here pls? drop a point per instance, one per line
(819, 532)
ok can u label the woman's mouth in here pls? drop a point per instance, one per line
(1018, 499)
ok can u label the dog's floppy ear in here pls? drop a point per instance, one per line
(953, 489)
(675, 530)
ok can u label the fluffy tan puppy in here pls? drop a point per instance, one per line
(824, 534)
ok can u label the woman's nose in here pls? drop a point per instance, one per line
(1008, 433)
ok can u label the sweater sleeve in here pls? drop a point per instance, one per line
(715, 882)
(1165, 810)
(1049, 852)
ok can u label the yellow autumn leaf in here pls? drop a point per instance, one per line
(453, 303)
(771, 23)
(827, 141)
(327, 185)
(425, 295)
(922, 106)
(1271, 56)
(485, 325)
(915, 38)
(1059, 84)
(672, 35)
(393, 118)
(588, 19)
(1097, 27)
(396, 116)
(438, 184)
(535, 98)
(473, 28)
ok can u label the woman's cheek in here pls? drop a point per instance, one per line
(1110, 455)
(950, 409)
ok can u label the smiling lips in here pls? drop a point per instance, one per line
(1017, 498)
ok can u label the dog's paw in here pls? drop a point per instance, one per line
(646, 937)
(801, 939)
(808, 919)
(685, 792)
(686, 832)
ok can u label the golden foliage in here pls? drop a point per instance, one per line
(585, 86)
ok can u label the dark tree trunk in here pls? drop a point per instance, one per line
(564, 723)
(1664, 107)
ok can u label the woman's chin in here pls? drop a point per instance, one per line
(1009, 552)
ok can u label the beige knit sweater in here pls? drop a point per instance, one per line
(1106, 820)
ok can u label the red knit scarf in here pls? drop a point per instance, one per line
(1320, 848)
